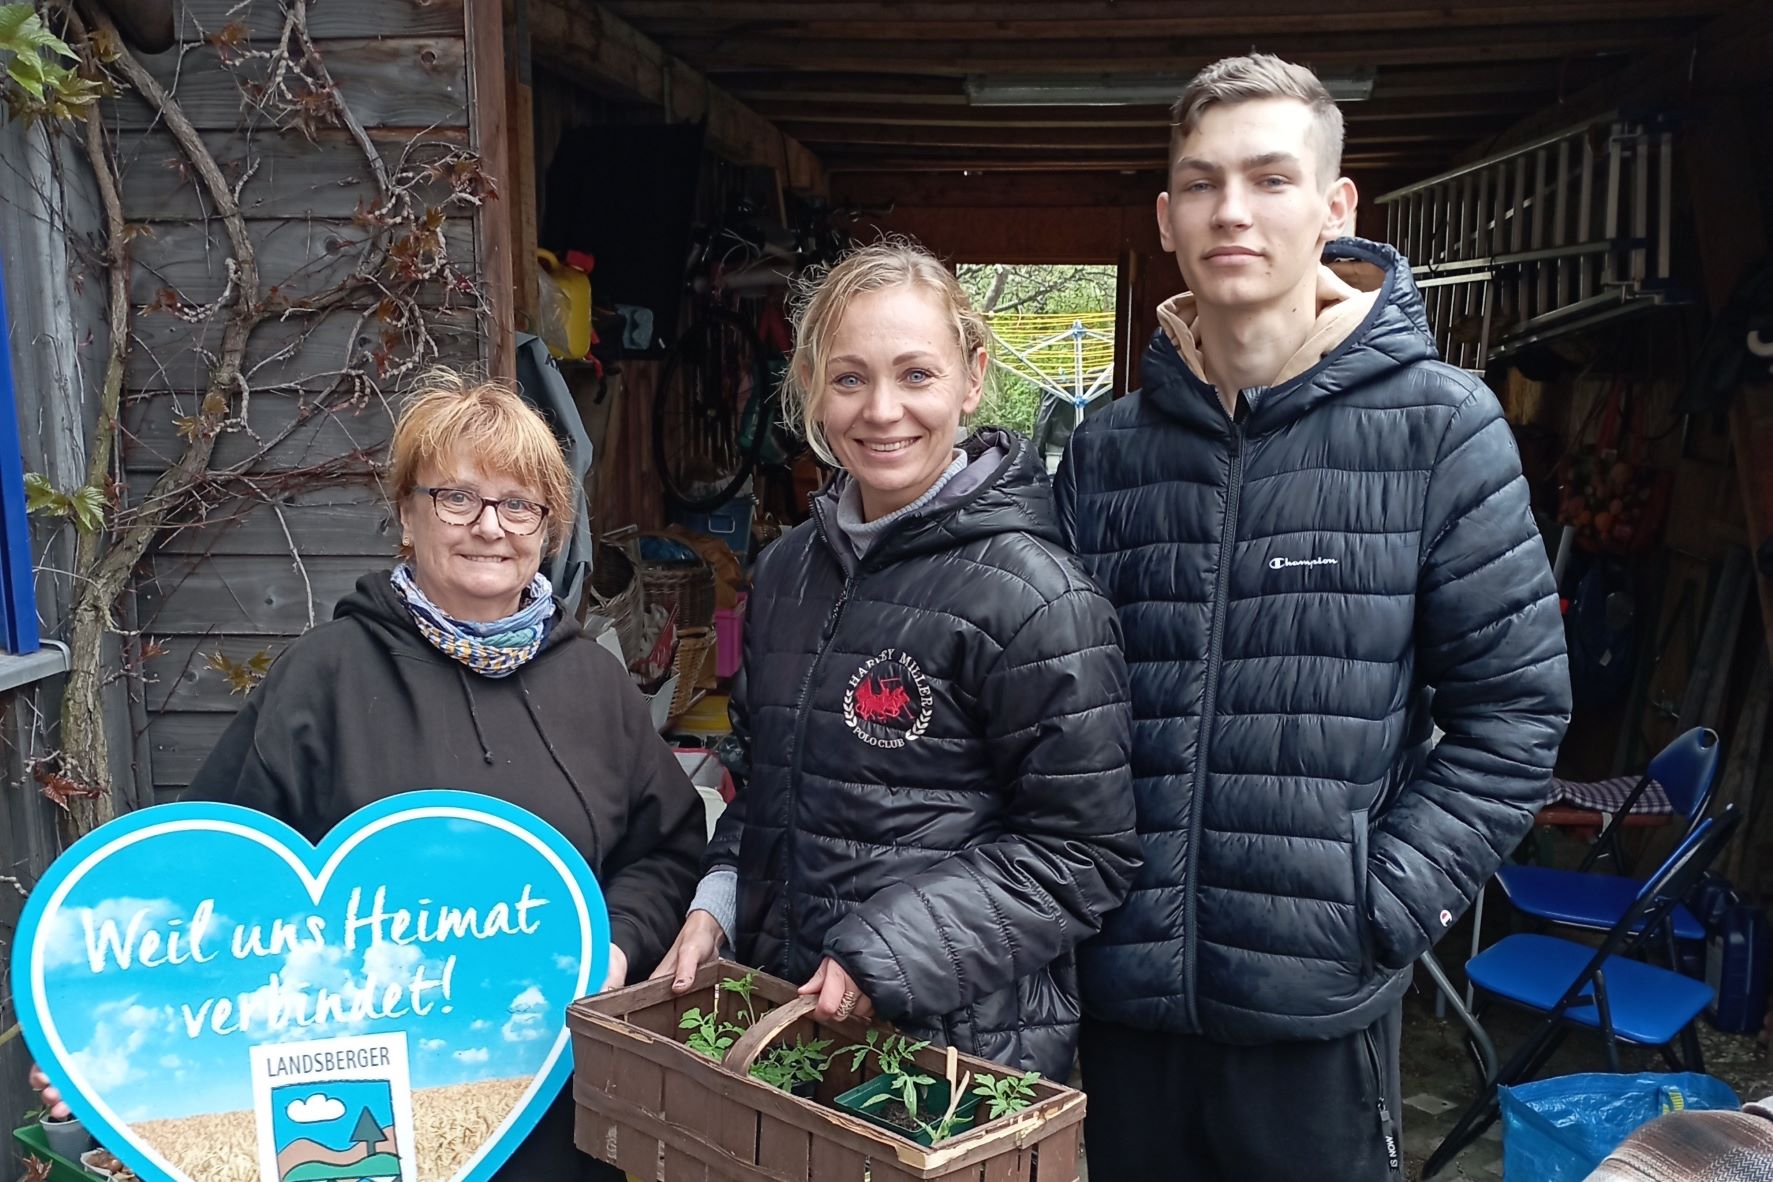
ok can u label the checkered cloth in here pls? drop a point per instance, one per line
(1608, 796)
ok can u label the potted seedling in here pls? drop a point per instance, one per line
(904, 1099)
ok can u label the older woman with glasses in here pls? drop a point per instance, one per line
(460, 670)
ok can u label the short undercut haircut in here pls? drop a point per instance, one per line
(1261, 76)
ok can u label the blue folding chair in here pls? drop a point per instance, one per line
(1574, 985)
(1687, 769)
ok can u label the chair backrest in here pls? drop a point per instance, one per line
(1659, 895)
(1687, 769)
(1676, 876)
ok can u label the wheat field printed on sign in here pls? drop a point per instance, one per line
(449, 1124)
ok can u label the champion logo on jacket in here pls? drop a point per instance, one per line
(1284, 563)
(888, 702)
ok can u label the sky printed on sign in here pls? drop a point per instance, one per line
(141, 1036)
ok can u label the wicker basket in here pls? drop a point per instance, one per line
(694, 664)
(689, 586)
(649, 1104)
(617, 592)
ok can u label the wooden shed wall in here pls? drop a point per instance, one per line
(248, 576)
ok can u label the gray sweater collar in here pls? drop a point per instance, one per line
(862, 534)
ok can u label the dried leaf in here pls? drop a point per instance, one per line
(36, 1170)
(61, 790)
(242, 676)
(165, 300)
(230, 37)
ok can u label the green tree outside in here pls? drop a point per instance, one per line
(1011, 400)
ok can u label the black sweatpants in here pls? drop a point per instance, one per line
(1179, 1108)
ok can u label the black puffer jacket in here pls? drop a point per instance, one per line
(938, 793)
(1294, 586)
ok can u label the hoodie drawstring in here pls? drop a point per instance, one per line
(473, 714)
(578, 790)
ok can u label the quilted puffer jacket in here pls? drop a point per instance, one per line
(938, 794)
(1304, 590)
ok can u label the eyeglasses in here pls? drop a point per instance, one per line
(458, 506)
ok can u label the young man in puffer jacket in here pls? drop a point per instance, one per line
(1319, 544)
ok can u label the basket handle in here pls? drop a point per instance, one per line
(743, 1053)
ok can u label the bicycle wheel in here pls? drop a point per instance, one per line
(712, 373)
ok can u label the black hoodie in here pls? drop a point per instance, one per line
(938, 794)
(364, 707)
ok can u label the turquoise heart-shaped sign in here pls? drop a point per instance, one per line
(218, 999)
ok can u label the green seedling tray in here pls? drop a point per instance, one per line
(935, 1103)
(60, 1168)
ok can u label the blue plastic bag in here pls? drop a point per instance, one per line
(1558, 1130)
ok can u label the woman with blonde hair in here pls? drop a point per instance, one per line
(458, 669)
(937, 805)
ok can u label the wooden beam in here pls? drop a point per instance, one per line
(589, 41)
(1178, 56)
(994, 190)
(932, 20)
(1501, 80)
(1147, 138)
(1730, 55)
(493, 226)
(835, 108)
(1047, 162)
(524, 198)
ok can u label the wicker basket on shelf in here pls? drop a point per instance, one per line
(694, 663)
(617, 594)
(687, 584)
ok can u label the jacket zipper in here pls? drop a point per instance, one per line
(851, 573)
(1387, 1130)
(1209, 704)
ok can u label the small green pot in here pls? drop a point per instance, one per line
(935, 1103)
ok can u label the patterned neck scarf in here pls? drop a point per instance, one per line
(494, 648)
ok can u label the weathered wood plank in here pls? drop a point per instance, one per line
(340, 519)
(299, 353)
(246, 596)
(387, 82)
(263, 19)
(493, 219)
(286, 174)
(181, 679)
(298, 258)
(321, 432)
(180, 743)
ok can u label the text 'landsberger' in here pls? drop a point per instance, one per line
(368, 1058)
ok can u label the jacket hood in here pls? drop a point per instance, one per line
(377, 606)
(1393, 333)
(1016, 498)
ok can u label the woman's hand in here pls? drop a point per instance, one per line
(696, 945)
(618, 970)
(839, 997)
(51, 1095)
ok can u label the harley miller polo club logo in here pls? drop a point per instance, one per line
(888, 702)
